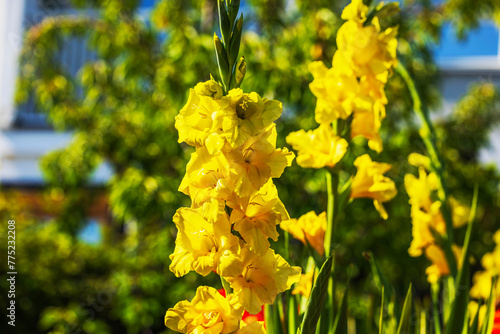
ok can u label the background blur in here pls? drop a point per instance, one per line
(90, 162)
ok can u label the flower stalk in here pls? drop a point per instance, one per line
(429, 138)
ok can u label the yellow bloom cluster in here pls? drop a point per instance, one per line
(483, 279)
(427, 218)
(235, 208)
(354, 84)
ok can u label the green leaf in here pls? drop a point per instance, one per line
(473, 329)
(379, 277)
(423, 321)
(404, 322)
(234, 44)
(435, 307)
(455, 322)
(272, 319)
(233, 8)
(222, 61)
(225, 26)
(317, 299)
(381, 317)
(487, 325)
(340, 326)
(292, 313)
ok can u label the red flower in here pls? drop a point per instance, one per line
(496, 322)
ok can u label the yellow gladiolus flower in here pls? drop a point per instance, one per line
(355, 11)
(200, 241)
(256, 161)
(304, 286)
(370, 182)
(207, 177)
(367, 125)
(365, 49)
(317, 148)
(460, 213)
(255, 217)
(422, 222)
(256, 327)
(208, 313)
(335, 93)
(200, 121)
(247, 115)
(439, 267)
(257, 280)
(308, 227)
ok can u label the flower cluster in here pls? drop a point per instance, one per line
(486, 282)
(352, 89)
(235, 208)
(427, 218)
(353, 86)
(483, 279)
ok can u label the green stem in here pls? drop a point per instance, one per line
(332, 192)
(429, 137)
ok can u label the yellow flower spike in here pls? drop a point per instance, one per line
(247, 115)
(208, 313)
(304, 286)
(335, 93)
(439, 267)
(200, 121)
(207, 177)
(310, 227)
(425, 213)
(255, 217)
(317, 148)
(256, 161)
(370, 182)
(200, 242)
(260, 278)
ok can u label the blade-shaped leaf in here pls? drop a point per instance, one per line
(225, 26)
(292, 313)
(404, 322)
(487, 325)
(340, 326)
(458, 313)
(381, 318)
(317, 299)
(234, 44)
(473, 329)
(379, 277)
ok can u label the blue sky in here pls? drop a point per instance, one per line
(482, 41)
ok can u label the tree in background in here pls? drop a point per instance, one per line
(121, 109)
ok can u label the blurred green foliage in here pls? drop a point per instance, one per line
(121, 109)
